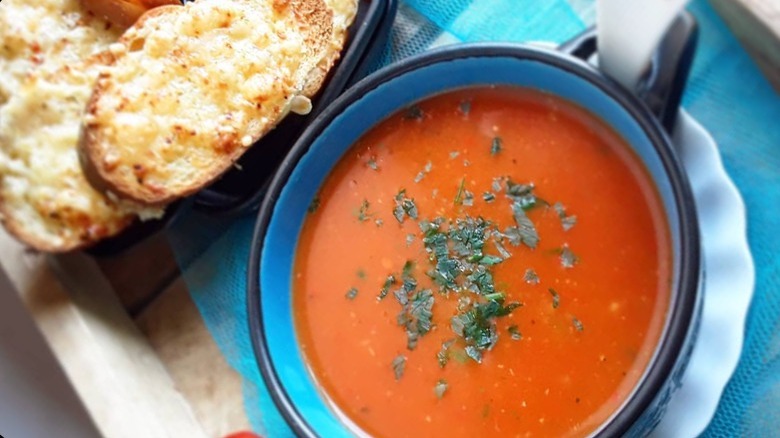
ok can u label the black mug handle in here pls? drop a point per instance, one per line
(662, 86)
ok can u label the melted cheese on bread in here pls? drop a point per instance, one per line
(49, 59)
(193, 87)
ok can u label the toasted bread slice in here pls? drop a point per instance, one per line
(343, 15)
(48, 63)
(193, 87)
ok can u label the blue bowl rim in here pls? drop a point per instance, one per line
(681, 324)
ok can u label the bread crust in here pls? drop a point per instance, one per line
(343, 15)
(140, 173)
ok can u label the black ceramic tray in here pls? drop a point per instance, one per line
(240, 190)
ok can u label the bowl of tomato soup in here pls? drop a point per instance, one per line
(484, 239)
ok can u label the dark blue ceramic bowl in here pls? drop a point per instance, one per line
(397, 87)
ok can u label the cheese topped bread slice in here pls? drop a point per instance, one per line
(191, 88)
(49, 60)
(343, 15)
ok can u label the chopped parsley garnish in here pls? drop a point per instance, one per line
(531, 277)
(501, 250)
(477, 326)
(525, 229)
(361, 274)
(399, 363)
(404, 207)
(514, 333)
(468, 198)
(556, 299)
(379, 222)
(352, 293)
(314, 205)
(362, 213)
(414, 112)
(443, 356)
(496, 145)
(409, 239)
(577, 324)
(568, 258)
(567, 222)
(371, 163)
(465, 106)
(497, 184)
(459, 194)
(454, 155)
(426, 170)
(440, 388)
(386, 286)
(488, 196)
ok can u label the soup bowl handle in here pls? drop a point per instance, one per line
(662, 86)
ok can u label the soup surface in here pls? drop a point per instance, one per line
(490, 262)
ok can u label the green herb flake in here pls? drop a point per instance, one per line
(361, 274)
(314, 205)
(468, 198)
(379, 222)
(414, 112)
(568, 258)
(497, 183)
(514, 333)
(404, 207)
(567, 222)
(399, 363)
(389, 281)
(459, 194)
(454, 155)
(496, 146)
(556, 299)
(409, 239)
(490, 260)
(440, 388)
(577, 324)
(426, 170)
(488, 197)
(531, 277)
(525, 227)
(443, 356)
(501, 250)
(408, 269)
(371, 163)
(362, 213)
(465, 106)
(352, 293)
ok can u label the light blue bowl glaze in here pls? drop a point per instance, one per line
(289, 212)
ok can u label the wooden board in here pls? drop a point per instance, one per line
(756, 23)
(121, 380)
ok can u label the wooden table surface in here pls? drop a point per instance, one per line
(130, 340)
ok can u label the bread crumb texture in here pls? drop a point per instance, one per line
(49, 59)
(193, 87)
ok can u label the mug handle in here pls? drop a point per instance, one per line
(662, 86)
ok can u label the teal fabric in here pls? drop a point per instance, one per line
(726, 93)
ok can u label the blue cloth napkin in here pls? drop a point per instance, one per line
(726, 93)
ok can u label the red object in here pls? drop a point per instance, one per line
(243, 434)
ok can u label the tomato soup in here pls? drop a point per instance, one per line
(490, 261)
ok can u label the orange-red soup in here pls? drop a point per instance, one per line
(560, 364)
